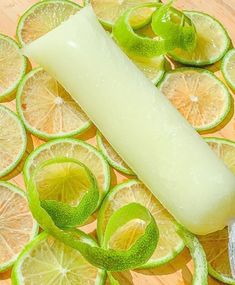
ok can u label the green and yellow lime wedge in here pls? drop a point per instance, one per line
(16, 224)
(228, 68)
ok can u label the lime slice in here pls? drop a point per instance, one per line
(48, 261)
(200, 276)
(153, 68)
(216, 244)
(42, 17)
(110, 10)
(12, 67)
(228, 68)
(67, 190)
(16, 224)
(212, 41)
(198, 95)
(12, 140)
(170, 243)
(76, 149)
(46, 109)
(111, 156)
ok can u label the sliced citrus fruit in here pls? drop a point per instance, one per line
(170, 243)
(12, 140)
(48, 261)
(111, 156)
(76, 149)
(46, 108)
(198, 95)
(212, 41)
(67, 190)
(110, 10)
(228, 68)
(12, 67)
(153, 68)
(16, 224)
(216, 244)
(42, 17)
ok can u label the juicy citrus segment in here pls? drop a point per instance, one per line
(212, 41)
(169, 245)
(225, 149)
(46, 108)
(153, 68)
(198, 95)
(75, 149)
(12, 67)
(48, 261)
(109, 11)
(12, 141)
(111, 156)
(42, 17)
(16, 224)
(228, 68)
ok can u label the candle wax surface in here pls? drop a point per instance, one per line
(140, 123)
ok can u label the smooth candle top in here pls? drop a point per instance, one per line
(140, 123)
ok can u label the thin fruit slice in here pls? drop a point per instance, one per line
(200, 276)
(16, 224)
(110, 10)
(12, 67)
(170, 243)
(198, 95)
(46, 108)
(153, 68)
(67, 190)
(42, 17)
(111, 156)
(228, 68)
(12, 140)
(212, 41)
(48, 261)
(216, 244)
(76, 149)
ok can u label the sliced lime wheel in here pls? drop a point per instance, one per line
(111, 156)
(109, 11)
(212, 41)
(16, 224)
(12, 140)
(42, 17)
(12, 67)
(46, 108)
(75, 149)
(228, 68)
(170, 243)
(48, 261)
(198, 95)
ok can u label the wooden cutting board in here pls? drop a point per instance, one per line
(179, 271)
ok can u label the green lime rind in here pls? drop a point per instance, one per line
(200, 276)
(120, 167)
(7, 265)
(229, 104)
(21, 153)
(220, 277)
(108, 259)
(136, 45)
(39, 5)
(33, 130)
(17, 275)
(225, 71)
(50, 150)
(181, 34)
(151, 263)
(8, 93)
(209, 60)
(63, 214)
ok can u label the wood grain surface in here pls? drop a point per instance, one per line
(179, 271)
